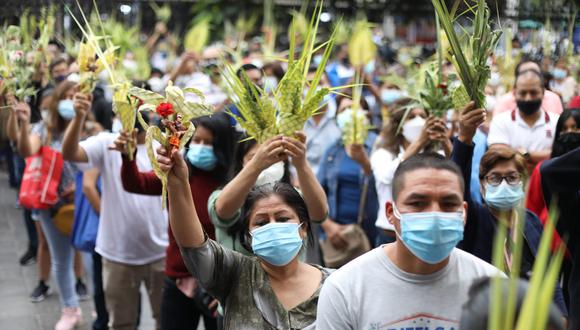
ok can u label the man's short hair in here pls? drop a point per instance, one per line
(245, 68)
(428, 160)
(55, 62)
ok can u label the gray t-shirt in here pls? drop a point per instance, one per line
(371, 293)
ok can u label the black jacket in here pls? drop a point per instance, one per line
(561, 182)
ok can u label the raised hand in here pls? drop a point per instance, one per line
(82, 104)
(269, 153)
(22, 110)
(124, 141)
(295, 147)
(469, 120)
(174, 165)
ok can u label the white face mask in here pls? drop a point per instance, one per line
(412, 129)
(156, 84)
(270, 175)
(44, 114)
(270, 84)
(490, 102)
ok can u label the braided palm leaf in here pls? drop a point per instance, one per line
(186, 109)
(356, 129)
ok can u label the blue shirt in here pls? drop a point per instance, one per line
(332, 175)
(349, 191)
(480, 141)
(319, 138)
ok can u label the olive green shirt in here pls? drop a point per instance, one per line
(243, 288)
(222, 225)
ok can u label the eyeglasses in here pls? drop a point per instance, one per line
(513, 179)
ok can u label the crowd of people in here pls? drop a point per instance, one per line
(253, 231)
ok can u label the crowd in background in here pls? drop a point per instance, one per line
(344, 196)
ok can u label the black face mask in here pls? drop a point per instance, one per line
(59, 79)
(529, 107)
(566, 142)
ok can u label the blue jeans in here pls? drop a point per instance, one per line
(62, 257)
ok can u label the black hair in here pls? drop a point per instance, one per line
(156, 71)
(141, 84)
(475, 312)
(427, 160)
(138, 126)
(241, 149)
(245, 68)
(557, 148)
(223, 143)
(55, 62)
(276, 68)
(58, 44)
(289, 196)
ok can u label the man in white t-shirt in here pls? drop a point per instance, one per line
(132, 234)
(527, 128)
(420, 281)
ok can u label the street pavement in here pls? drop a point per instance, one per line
(17, 282)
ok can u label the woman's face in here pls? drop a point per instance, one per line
(273, 209)
(202, 136)
(570, 126)
(417, 112)
(250, 154)
(504, 168)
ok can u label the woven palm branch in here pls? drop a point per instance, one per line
(14, 69)
(162, 13)
(434, 97)
(198, 35)
(180, 116)
(294, 107)
(356, 129)
(361, 47)
(258, 114)
(470, 60)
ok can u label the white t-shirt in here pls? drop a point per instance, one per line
(132, 227)
(509, 128)
(384, 164)
(372, 293)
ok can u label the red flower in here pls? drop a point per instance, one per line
(443, 87)
(165, 109)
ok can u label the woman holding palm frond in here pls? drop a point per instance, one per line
(406, 133)
(502, 176)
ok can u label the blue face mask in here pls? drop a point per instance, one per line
(431, 236)
(66, 109)
(370, 67)
(202, 157)
(503, 197)
(390, 96)
(277, 243)
(317, 59)
(559, 74)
